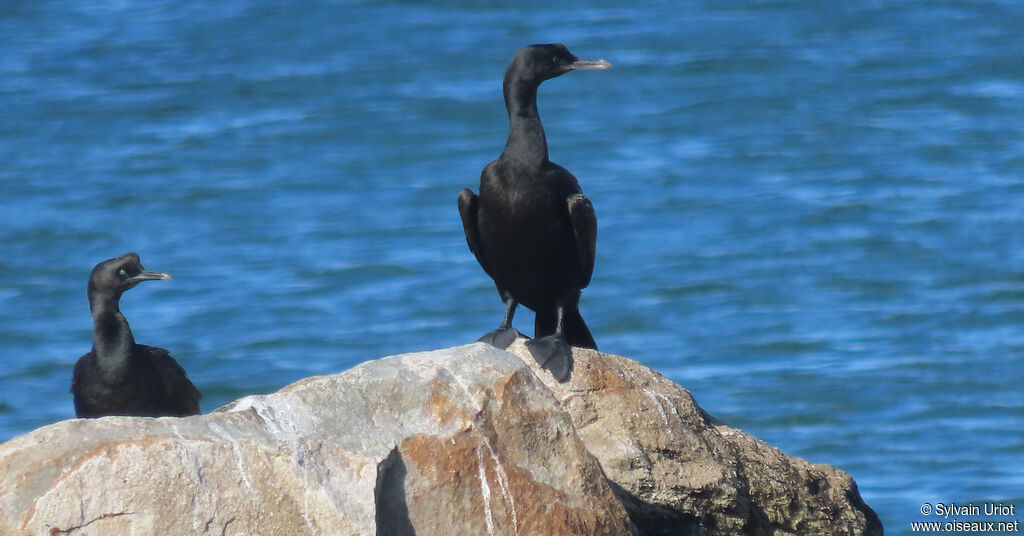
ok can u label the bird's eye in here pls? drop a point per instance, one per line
(554, 59)
(122, 272)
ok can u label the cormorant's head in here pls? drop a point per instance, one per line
(114, 276)
(542, 62)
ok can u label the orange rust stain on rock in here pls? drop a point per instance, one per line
(540, 509)
(443, 480)
(514, 386)
(452, 467)
(29, 513)
(111, 450)
(445, 460)
(607, 380)
(441, 406)
(108, 449)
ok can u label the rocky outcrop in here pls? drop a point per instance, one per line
(458, 441)
(680, 471)
(468, 440)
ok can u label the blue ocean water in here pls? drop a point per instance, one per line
(810, 213)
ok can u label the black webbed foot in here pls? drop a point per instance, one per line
(502, 337)
(554, 354)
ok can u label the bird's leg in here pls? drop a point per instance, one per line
(552, 352)
(505, 335)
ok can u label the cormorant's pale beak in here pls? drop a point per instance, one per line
(146, 275)
(587, 64)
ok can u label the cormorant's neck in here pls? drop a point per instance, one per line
(112, 339)
(526, 141)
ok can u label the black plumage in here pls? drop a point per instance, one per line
(120, 377)
(531, 228)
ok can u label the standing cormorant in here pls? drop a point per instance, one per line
(531, 228)
(119, 377)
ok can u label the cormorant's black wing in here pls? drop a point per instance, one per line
(176, 384)
(81, 406)
(468, 203)
(75, 376)
(584, 226)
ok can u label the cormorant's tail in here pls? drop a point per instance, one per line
(574, 329)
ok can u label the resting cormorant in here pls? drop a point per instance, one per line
(531, 228)
(119, 377)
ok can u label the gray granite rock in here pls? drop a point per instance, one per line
(459, 441)
(680, 471)
(467, 440)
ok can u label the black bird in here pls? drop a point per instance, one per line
(119, 377)
(531, 228)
